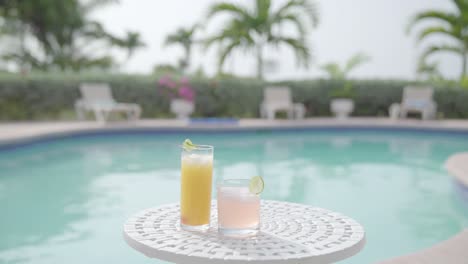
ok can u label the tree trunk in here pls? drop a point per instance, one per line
(463, 66)
(188, 54)
(23, 49)
(260, 62)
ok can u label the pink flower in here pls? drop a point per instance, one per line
(164, 80)
(171, 84)
(174, 89)
(184, 81)
(186, 92)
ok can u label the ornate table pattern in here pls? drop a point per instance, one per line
(289, 233)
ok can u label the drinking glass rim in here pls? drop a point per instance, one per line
(200, 147)
(232, 182)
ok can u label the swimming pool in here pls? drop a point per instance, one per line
(65, 200)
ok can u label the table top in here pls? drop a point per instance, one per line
(289, 233)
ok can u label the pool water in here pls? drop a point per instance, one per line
(65, 200)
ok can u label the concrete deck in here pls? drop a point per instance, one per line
(453, 251)
(23, 130)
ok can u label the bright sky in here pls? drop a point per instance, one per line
(375, 27)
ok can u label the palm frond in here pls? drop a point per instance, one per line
(438, 30)
(431, 69)
(356, 60)
(80, 63)
(234, 29)
(462, 5)
(449, 19)
(333, 70)
(234, 33)
(183, 36)
(295, 20)
(225, 7)
(95, 30)
(308, 7)
(90, 5)
(302, 52)
(194, 28)
(25, 58)
(132, 42)
(262, 10)
(441, 48)
(225, 52)
(207, 42)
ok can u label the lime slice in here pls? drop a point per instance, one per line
(256, 185)
(188, 145)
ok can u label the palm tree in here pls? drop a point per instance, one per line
(131, 42)
(234, 36)
(260, 26)
(184, 37)
(454, 25)
(335, 71)
(65, 37)
(429, 70)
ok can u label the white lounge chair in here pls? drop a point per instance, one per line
(97, 98)
(280, 99)
(453, 251)
(418, 99)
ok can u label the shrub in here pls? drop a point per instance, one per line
(48, 97)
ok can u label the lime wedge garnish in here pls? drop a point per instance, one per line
(188, 145)
(256, 185)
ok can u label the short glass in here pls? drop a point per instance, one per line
(196, 182)
(238, 208)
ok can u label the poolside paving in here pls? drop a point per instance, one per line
(12, 131)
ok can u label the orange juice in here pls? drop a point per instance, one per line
(196, 182)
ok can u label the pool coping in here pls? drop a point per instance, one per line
(19, 134)
(457, 166)
(26, 130)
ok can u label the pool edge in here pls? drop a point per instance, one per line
(457, 166)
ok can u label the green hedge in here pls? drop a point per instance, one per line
(45, 97)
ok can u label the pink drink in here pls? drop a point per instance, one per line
(238, 209)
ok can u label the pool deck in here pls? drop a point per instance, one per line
(23, 130)
(19, 131)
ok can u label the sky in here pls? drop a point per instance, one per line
(375, 27)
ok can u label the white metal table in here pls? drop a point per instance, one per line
(289, 233)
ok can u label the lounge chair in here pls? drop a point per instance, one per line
(280, 99)
(418, 99)
(97, 98)
(453, 251)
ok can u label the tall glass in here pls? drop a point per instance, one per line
(196, 181)
(238, 208)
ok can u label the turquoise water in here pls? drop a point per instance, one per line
(65, 201)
